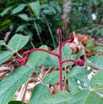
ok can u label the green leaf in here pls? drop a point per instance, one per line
(18, 41)
(40, 93)
(97, 48)
(52, 77)
(22, 27)
(73, 86)
(74, 71)
(97, 79)
(47, 12)
(18, 9)
(86, 97)
(35, 6)
(44, 6)
(5, 55)
(2, 42)
(77, 73)
(96, 61)
(5, 22)
(90, 43)
(57, 7)
(5, 11)
(12, 82)
(37, 58)
(24, 17)
(16, 102)
(51, 61)
(66, 52)
(73, 57)
(59, 98)
(82, 77)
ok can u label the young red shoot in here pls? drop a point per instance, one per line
(23, 61)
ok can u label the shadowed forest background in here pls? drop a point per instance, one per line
(71, 27)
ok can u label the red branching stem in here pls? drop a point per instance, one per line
(64, 61)
(65, 42)
(60, 59)
(23, 61)
(43, 50)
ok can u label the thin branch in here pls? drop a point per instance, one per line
(64, 61)
(43, 50)
(21, 96)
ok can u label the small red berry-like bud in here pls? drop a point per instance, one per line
(80, 62)
(59, 31)
(71, 39)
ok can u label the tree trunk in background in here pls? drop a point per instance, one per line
(66, 16)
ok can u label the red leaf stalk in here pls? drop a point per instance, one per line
(43, 50)
(78, 62)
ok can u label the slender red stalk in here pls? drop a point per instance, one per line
(78, 62)
(23, 61)
(64, 61)
(60, 59)
(65, 42)
(43, 50)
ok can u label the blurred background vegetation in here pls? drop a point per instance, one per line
(41, 18)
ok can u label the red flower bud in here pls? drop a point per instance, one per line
(71, 39)
(59, 31)
(21, 61)
(80, 62)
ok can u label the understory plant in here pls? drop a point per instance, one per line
(22, 61)
(81, 90)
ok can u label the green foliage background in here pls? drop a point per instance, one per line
(42, 21)
(39, 19)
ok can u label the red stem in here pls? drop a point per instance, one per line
(71, 39)
(43, 50)
(60, 62)
(67, 41)
(64, 61)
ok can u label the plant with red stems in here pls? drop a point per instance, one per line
(22, 61)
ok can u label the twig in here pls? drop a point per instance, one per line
(32, 44)
(47, 72)
(22, 93)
